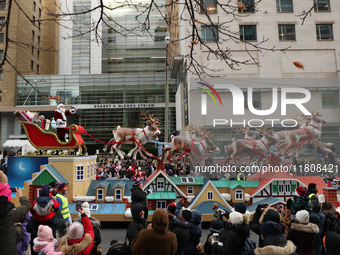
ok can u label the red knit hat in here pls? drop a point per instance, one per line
(301, 191)
(61, 185)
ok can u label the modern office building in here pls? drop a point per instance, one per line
(110, 81)
(315, 44)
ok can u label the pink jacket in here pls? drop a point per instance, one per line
(5, 191)
(45, 246)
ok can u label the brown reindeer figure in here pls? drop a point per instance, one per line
(180, 145)
(309, 134)
(129, 135)
(252, 148)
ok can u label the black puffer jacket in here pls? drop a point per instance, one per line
(138, 196)
(138, 223)
(182, 231)
(194, 234)
(234, 240)
(330, 220)
(332, 243)
(318, 218)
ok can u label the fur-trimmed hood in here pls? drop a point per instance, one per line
(308, 228)
(290, 248)
(77, 247)
(329, 213)
(270, 214)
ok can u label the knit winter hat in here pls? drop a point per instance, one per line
(302, 216)
(216, 225)
(45, 233)
(3, 178)
(75, 230)
(5, 191)
(172, 208)
(236, 218)
(300, 191)
(137, 182)
(326, 206)
(187, 215)
(44, 192)
(270, 228)
(241, 207)
(60, 186)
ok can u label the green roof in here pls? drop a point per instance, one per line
(166, 195)
(233, 184)
(197, 180)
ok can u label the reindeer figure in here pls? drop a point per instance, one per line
(252, 148)
(129, 136)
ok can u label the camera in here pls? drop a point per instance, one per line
(13, 189)
(78, 205)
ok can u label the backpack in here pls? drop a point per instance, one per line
(248, 247)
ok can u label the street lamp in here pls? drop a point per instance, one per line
(167, 40)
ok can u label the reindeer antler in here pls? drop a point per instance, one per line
(206, 133)
(316, 114)
(153, 120)
(243, 130)
(264, 130)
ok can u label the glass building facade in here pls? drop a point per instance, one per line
(132, 80)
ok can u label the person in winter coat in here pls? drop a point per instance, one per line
(317, 217)
(216, 226)
(139, 215)
(235, 239)
(4, 187)
(138, 195)
(274, 242)
(260, 217)
(303, 233)
(301, 202)
(181, 229)
(332, 241)
(45, 241)
(80, 237)
(195, 233)
(23, 244)
(329, 211)
(8, 216)
(96, 227)
(156, 240)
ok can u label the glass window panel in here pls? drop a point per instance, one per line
(248, 33)
(284, 5)
(209, 5)
(2, 4)
(249, 4)
(209, 33)
(287, 32)
(322, 5)
(330, 98)
(324, 31)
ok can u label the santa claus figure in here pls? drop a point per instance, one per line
(60, 117)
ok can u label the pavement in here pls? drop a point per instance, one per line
(117, 231)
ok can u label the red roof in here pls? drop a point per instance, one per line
(155, 173)
(313, 179)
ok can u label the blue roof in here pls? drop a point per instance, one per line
(206, 180)
(103, 184)
(268, 200)
(103, 208)
(120, 183)
(206, 207)
(55, 172)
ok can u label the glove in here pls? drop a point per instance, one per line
(149, 191)
(59, 122)
(289, 203)
(259, 209)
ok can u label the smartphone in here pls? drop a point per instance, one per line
(13, 189)
(78, 205)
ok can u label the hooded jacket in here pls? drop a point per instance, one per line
(235, 239)
(155, 241)
(182, 231)
(44, 205)
(276, 244)
(47, 247)
(329, 220)
(5, 191)
(318, 218)
(8, 216)
(303, 236)
(138, 196)
(23, 244)
(138, 223)
(195, 233)
(332, 243)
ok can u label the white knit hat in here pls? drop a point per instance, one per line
(302, 216)
(236, 218)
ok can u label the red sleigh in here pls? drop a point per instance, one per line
(48, 144)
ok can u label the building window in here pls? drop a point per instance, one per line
(287, 32)
(330, 98)
(38, 54)
(238, 194)
(118, 195)
(292, 188)
(248, 33)
(79, 172)
(249, 4)
(38, 40)
(1, 75)
(2, 37)
(210, 195)
(284, 5)
(92, 167)
(256, 100)
(161, 205)
(281, 189)
(2, 20)
(34, 6)
(208, 6)
(39, 12)
(33, 19)
(209, 33)
(33, 34)
(190, 190)
(32, 50)
(322, 5)
(324, 31)
(88, 171)
(287, 187)
(160, 185)
(39, 25)
(100, 194)
(2, 4)
(1, 54)
(38, 68)
(32, 64)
